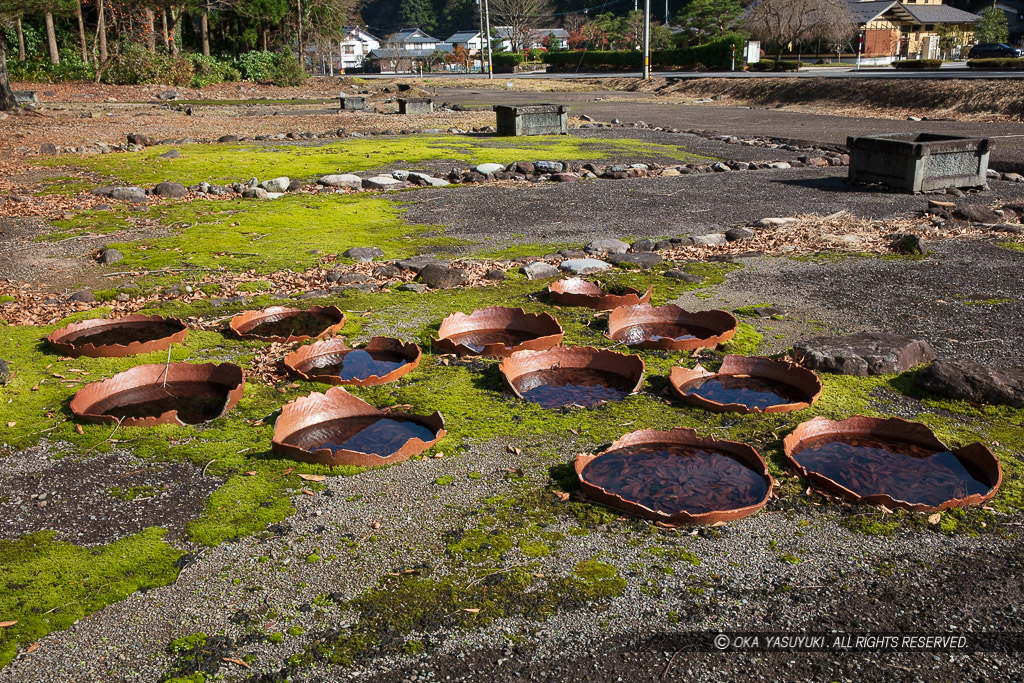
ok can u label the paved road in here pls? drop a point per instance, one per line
(954, 71)
(1008, 153)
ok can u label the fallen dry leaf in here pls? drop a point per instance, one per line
(312, 477)
(239, 662)
(471, 610)
(32, 648)
(11, 424)
(6, 624)
(307, 492)
(250, 473)
(562, 495)
(935, 519)
(79, 429)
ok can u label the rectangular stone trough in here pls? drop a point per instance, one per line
(532, 119)
(919, 162)
(415, 105)
(350, 103)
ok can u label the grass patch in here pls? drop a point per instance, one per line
(47, 585)
(238, 162)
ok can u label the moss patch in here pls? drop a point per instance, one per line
(46, 585)
(238, 162)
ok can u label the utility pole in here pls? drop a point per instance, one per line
(483, 36)
(490, 50)
(647, 40)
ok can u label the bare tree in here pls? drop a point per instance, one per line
(788, 22)
(521, 16)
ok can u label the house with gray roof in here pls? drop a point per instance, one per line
(909, 30)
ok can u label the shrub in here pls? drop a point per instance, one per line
(918, 64)
(39, 70)
(772, 65)
(280, 68)
(256, 65)
(714, 55)
(508, 59)
(997, 63)
(210, 70)
(287, 70)
(135, 65)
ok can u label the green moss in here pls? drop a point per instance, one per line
(445, 481)
(131, 493)
(1012, 246)
(534, 548)
(413, 648)
(239, 162)
(751, 310)
(186, 643)
(746, 341)
(295, 631)
(988, 302)
(601, 579)
(243, 505)
(790, 558)
(46, 585)
(312, 558)
(5, 298)
(475, 475)
(276, 638)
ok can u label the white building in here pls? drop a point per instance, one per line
(469, 40)
(356, 44)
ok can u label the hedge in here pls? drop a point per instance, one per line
(512, 59)
(772, 65)
(918, 64)
(716, 55)
(997, 63)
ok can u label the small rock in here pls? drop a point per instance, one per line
(276, 185)
(582, 266)
(174, 190)
(386, 272)
(135, 195)
(644, 260)
(739, 234)
(48, 148)
(606, 246)
(418, 263)
(547, 167)
(83, 297)
(970, 381)
(538, 271)
(494, 274)
(565, 177)
(643, 245)
(441, 276)
(255, 193)
(862, 354)
(412, 287)
(683, 275)
(382, 182)
(141, 140)
(908, 244)
(5, 372)
(1013, 177)
(363, 253)
(976, 213)
(348, 180)
(109, 256)
(168, 95)
(715, 239)
(228, 138)
(171, 154)
(488, 169)
(774, 222)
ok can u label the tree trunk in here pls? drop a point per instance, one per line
(81, 32)
(302, 53)
(204, 30)
(7, 102)
(172, 36)
(265, 37)
(21, 41)
(51, 39)
(101, 30)
(150, 28)
(163, 30)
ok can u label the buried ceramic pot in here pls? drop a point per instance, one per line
(381, 360)
(118, 337)
(280, 324)
(175, 393)
(336, 428)
(576, 291)
(702, 480)
(670, 328)
(497, 332)
(579, 375)
(748, 384)
(891, 462)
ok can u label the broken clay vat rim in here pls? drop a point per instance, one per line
(597, 299)
(723, 323)
(247, 320)
(223, 374)
(549, 331)
(891, 429)
(523, 362)
(299, 362)
(337, 404)
(62, 340)
(783, 371)
(677, 436)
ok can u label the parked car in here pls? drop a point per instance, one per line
(988, 50)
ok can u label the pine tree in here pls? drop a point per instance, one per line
(417, 14)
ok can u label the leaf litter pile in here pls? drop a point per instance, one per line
(672, 478)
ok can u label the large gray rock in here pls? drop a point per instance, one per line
(539, 270)
(427, 180)
(363, 253)
(171, 154)
(276, 185)
(173, 190)
(547, 167)
(418, 263)
(683, 275)
(642, 260)
(862, 354)
(348, 180)
(135, 195)
(606, 246)
(970, 381)
(441, 276)
(582, 266)
(255, 193)
(109, 256)
(715, 239)
(83, 297)
(141, 139)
